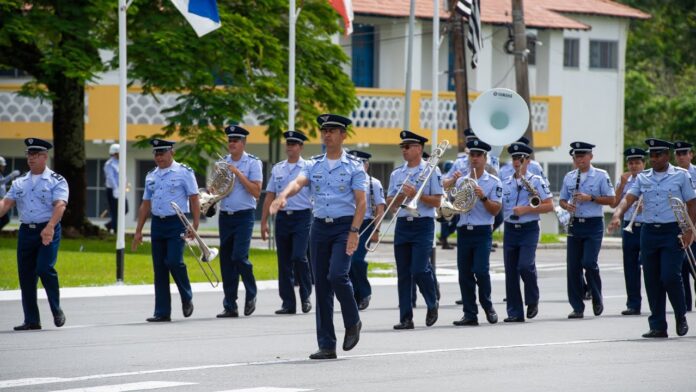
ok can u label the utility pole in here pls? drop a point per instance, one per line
(461, 87)
(521, 64)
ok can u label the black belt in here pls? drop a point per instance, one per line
(33, 225)
(635, 224)
(340, 219)
(593, 219)
(661, 225)
(412, 218)
(526, 225)
(236, 212)
(475, 227)
(290, 212)
(163, 217)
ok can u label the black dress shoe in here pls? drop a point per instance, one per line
(323, 354)
(682, 327)
(364, 303)
(27, 327)
(59, 318)
(597, 308)
(532, 310)
(406, 324)
(466, 322)
(575, 315)
(159, 319)
(431, 316)
(306, 307)
(250, 306)
(492, 316)
(459, 302)
(514, 320)
(631, 312)
(352, 336)
(228, 313)
(285, 311)
(187, 308)
(653, 333)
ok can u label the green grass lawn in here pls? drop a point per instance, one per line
(90, 262)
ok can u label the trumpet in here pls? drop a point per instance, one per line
(411, 207)
(206, 254)
(639, 205)
(685, 224)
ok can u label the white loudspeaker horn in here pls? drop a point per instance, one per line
(499, 116)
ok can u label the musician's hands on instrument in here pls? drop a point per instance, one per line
(137, 240)
(625, 177)
(479, 192)
(352, 243)
(233, 169)
(583, 197)
(189, 234)
(520, 210)
(409, 190)
(264, 231)
(687, 239)
(375, 236)
(568, 206)
(278, 204)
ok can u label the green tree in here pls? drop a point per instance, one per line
(238, 69)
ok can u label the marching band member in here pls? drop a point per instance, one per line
(533, 167)
(475, 236)
(413, 236)
(41, 197)
(525, 196)
(683, 157)
(237, 223)
(169, 181)
(4, 180)
(630, 240)
(661, 253)
(292, 226)
(461, 166)
(583, 193)
(374, 210)
(337, 181)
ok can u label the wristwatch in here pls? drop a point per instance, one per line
(484, 199)
(354, 229)
(592, 198)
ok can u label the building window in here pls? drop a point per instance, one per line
(557, 172)
(604, 54)
(97, 205)
(571, 52)
(12, 73)
(531, 46)
(363, 55)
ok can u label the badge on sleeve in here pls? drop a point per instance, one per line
(499, 191)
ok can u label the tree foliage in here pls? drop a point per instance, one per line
(661, 72)
(237, 70)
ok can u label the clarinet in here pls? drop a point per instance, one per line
(577, 188)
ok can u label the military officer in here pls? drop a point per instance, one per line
(4, 180)
(413, 236)
(583, 193)
(534, 167)
(337, 181)
(237, 223)
(683, 157)
(475, 236)
(630, 239)
(111, 182)
(373, 210)
(523, 201)
(461, 166)
(41, 196)
(292, 226)
(661, 253)
(169, 182)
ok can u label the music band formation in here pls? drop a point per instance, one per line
(329, 213)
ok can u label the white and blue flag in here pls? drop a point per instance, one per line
(202, 15)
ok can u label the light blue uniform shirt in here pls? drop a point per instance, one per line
(533, 167)
(410, 175)
(240, 199)
(692, 173)
(597, 183)
(629, 213)
(111, 174)
(281, 175)
(176, 183)
(515, 194)
(478, 216)
(461, 164)
(374, 191)
(332, 189)
(675, 182)
(35, 201)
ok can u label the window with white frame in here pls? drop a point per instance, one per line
(604, 54)
(571, 52)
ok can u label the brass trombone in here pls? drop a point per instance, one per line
(685, 224)
(206, 254)
(411, 207)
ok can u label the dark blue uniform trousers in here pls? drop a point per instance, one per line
(519, 252)
(330, 265)
(584, 242)
(292, 239)
(686, 279)
(36, 260)
(473, 263)
(413, 243)
(631, 265)
(358, 265)
(662, 258)
(168, 257)
(235, 239)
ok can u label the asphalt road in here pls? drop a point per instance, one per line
(106, 345)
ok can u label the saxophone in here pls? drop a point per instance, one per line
(534, 199)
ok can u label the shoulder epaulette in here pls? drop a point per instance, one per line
(253, 156)
(57, 176)
(187, 167)
(320, 156)
(152, 170)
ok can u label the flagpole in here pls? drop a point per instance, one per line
(409, 65)
(435, 103)
(122, 113)
(291, 67)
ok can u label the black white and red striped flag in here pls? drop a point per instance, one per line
(470, 10)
